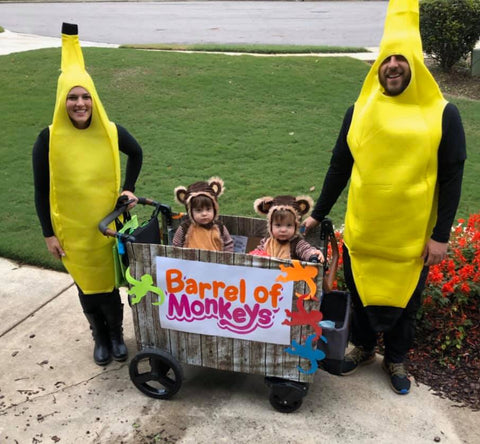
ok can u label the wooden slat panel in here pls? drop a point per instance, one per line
(225, 349)
(193, 344)
(257, 349)
(231, 222)
(148, 268)
(243, 229)
(273, 352)
(273, 360)
(241, 348)
(162, 336)
(178, 342)
(209, 343)
(137, 269)
(253, 228)
(164, 229)
(135, 309)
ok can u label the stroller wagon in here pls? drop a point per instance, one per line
(232, 311)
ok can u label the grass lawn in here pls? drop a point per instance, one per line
(266, 125)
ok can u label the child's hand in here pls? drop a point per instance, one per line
(317, 257)
(320, 257)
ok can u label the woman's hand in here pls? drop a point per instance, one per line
(130, 196)
(54, 247)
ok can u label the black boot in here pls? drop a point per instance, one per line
(101, 351)
(114, 316)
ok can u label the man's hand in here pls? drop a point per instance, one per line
(54, 247)
(308, 223)
(434, 252)
(130, 196)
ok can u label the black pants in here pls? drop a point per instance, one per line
(399, 338)
(92, 302)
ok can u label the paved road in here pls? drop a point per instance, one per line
(302, 23)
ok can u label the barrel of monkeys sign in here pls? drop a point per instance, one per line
(224, 300)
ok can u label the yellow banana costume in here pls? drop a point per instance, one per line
(392, 196)
(84, 177)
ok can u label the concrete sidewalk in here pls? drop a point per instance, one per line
(11, 42)
(51, 391)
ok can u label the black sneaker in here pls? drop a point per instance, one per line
(357, 357)
(398, 377)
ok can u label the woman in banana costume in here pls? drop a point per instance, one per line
(402, 146)
(77, 182)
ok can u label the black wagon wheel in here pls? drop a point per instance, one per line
(156, 373)
(284, 405)
(286, 396)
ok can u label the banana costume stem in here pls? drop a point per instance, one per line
(84, 176)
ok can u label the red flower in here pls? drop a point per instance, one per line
(466, 272)
(447, 289)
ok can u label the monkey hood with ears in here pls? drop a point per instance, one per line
(84, 176)
(298, 206)
(212, 189)
(394, 141)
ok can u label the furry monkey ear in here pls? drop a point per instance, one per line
(305, 204)
(263, 204)
(217, 185)
(180, 194)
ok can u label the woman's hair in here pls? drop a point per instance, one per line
(283, 215)
(201, 201)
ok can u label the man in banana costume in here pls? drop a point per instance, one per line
(402, 146)
(77, 182)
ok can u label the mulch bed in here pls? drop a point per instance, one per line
(458, 82)
(459, 383)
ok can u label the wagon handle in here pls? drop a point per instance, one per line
(121, 207)
(103, 226)
(327, 235)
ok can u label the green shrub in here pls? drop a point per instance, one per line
(450, 29)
